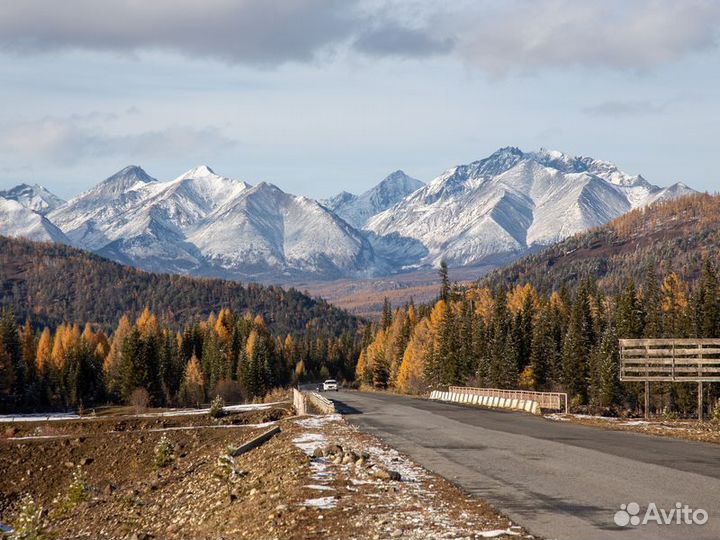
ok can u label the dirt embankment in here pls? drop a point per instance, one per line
(318, 478)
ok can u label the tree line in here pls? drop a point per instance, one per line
(232, 355)
(566, 340)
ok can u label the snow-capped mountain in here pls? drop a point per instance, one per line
(208, 224)
(34, 197)
(487, 212)
(18, 221)
(498, 208)
(358, 209)
(264, 229)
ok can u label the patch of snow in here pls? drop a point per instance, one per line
(498, 532)
(38, 437)
(190, 412)
(52, 417)
(393, 460)
(315, 422)
(308, 442)
(319, 487)
(323, 503)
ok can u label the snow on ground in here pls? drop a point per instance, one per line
(321, 502)
(319, 487)
(417, 506)
(318, 421)
(52, 417)
(498, 532)
(308, 442)
(228, 408)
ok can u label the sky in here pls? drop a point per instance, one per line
(319, 96)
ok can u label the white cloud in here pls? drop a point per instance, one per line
(528, 36)
(69, 140)
(494, 36)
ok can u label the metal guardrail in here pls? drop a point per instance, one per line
(546, 400)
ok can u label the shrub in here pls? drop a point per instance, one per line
(30, 519)
(78, 489)
(277, 394)
(715, 414)
(164, 452)
(216, 407)
(229, 390)
(140, 399)
(77, 492)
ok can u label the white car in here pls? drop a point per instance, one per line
(330, 384)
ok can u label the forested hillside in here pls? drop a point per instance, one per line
(566, 340)
(51, 284)
(671, 236)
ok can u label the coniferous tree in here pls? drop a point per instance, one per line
(651, 305)
(444, 281)
(629, 319)
(707, 303)
(192, 389)
(605, 386)
(578, 343)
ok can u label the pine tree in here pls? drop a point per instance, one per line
(192, 389)
(629, 320)
(605, 388)
(707, 303)
(447, 349)
(10, 343)
(386, 314)
(544, 351)
(577, 346)
(651, 305)
(7, 378)
(502, 349)
(444, 282)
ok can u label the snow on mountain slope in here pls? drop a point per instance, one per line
(133, 218)
(358, 209)
(486, 212)
(264, 229)
(84, 218)
(19, 221)
(497, 208)
(35, 197)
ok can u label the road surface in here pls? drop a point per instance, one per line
(557, 479)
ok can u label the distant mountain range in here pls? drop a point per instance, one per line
(487, 212)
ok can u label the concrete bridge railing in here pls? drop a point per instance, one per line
(457, 395)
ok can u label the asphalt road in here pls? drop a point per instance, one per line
(557, 479)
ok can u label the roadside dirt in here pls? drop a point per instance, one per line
(279, 490)
(690, 430)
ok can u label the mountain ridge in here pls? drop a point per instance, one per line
(487, 212)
